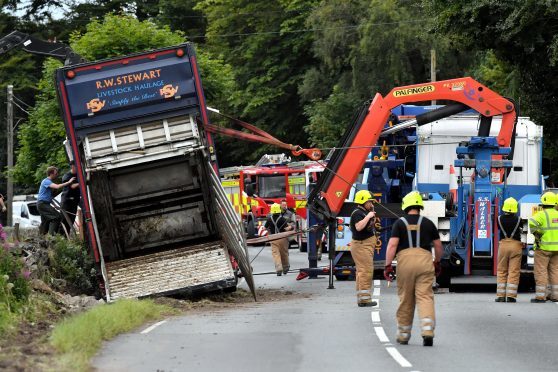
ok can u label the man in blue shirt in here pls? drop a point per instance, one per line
(50, 218)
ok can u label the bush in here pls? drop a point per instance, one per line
(71, 261)
(14, 284)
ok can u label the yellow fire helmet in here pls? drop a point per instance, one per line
(510, 205)
(548, 198)
(363, 196)
(412, 199)
(275, 208)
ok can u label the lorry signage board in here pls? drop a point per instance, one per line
(156, 83)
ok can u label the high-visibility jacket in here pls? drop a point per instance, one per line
(545, 222)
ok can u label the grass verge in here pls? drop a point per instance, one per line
(78, 338)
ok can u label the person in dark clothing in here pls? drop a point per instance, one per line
(509, 253)
(362, 246)
(70, 196)
(275, 224)
(412, 238)
(50, 218)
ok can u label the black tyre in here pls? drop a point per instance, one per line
(229, 290)
(444, 280)
(251, 229)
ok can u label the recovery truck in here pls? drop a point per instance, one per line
(487, 155)
(157, 219)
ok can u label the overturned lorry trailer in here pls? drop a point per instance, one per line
(156, 216)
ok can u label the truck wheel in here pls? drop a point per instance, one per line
(444, 280)
(229, 290)
(251, 229)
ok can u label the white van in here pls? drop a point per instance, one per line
(24, 211)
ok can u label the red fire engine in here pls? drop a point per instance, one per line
(253, 189)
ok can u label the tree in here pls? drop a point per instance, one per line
(364, 47)
(268, 46)
(42, 136)
(523, 35)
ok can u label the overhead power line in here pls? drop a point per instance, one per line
(21, 101)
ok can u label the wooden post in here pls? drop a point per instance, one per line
(433, 68)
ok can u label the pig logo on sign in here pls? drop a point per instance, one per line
(168, 91)
(95, 105)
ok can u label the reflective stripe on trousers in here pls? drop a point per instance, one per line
(404, 332)
(546, 271)
(509, 267)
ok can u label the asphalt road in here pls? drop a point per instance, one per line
(326, 331)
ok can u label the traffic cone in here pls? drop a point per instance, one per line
(262, 231)
(453, 183)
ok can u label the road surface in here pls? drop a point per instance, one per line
(323, 330)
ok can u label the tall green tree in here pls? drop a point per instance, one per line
(269, 47)
(42, 136)
(522, 34)
(364, 47)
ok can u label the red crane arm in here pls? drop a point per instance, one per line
(336, 186)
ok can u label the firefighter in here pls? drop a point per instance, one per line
(362, 246)
(509, 252)
(275, 224)
(544, 225)
(411, 239)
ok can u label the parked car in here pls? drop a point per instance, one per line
(25, 212)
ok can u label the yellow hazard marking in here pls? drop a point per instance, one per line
(338, 193)
(343, 248)
(300, 204)
(230, 183)
(297, 181)
(414, 91)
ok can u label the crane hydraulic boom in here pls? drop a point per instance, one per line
(37, 46)
(346, 162)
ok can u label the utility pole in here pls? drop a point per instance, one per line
(433, 68)
(10, 153)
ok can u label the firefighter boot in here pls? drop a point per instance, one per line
(286, 269)
(364, 299)
(427, 340)
(500, 299)
(403, 334)
(511, 299)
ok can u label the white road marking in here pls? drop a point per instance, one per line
(152, 327)
(376, 282)
(381, 334)
(398, 357)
